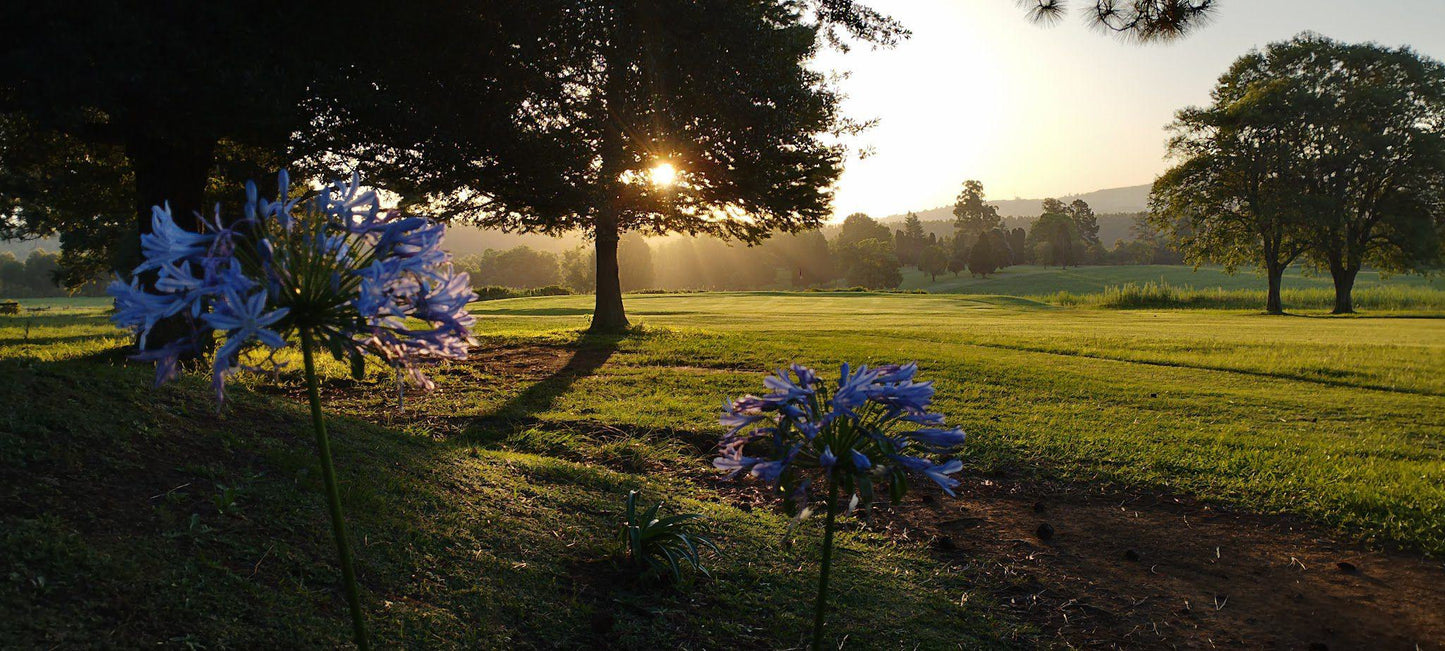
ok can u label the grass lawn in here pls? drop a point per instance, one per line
(485, 515)
(1032, 280)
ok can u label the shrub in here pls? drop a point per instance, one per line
(1162, 295)
(497, 292)
(658, 546)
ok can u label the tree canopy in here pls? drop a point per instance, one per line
(973, 215)
(720, 92)
(107, 109)
(1312, 147)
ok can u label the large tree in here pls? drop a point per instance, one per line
(972, 214)
(1054, 237)
(1311, 146)
(872, 264)
(910, 241)
(1235, 197)
(722, 94)
(858, 227)
(984, 257)
(1084, 218)
(1372, 150)
(933, 261)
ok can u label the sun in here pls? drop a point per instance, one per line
(663, 175)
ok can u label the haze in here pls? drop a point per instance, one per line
(1032, 111)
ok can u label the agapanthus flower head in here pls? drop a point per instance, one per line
(873, 428)
(334, 265)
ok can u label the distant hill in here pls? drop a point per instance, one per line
(1134, 198)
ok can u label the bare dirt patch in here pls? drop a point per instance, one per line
(1109, 569)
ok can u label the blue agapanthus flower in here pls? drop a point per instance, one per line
(873, 428)
(355, 277)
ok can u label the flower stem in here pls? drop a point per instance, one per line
(333, 498)
(827, 565)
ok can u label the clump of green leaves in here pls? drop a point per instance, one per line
(659, 546)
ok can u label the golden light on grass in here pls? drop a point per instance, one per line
(663, 175)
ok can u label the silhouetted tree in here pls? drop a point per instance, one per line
(805, 257)
(858, 227)
(958, 248)
(871, 263)
(520, 266)
(910, 240)
(723, 92)
(12, 275)
(1054, 237)
(933, 261)
(579, 270)
(972, 213)
(1017, 243)
(1085, 220)
(983, 258)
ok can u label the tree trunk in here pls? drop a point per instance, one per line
(173, 171)
(1344, 277)
(167, 171)
(1272, 304)
(608, 315)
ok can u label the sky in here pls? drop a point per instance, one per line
(979, 92)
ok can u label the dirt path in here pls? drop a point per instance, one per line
(1141, 571)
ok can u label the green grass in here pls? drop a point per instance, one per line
(1030, 280)
(134, 517)
(1163, 295)
(1341, 420)
(486, 521)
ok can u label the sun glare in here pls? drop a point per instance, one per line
(663, 175)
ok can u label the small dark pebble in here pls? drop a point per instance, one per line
(1153, 395)
(944, 543)
(1045, 531)
(1131, 555)
(1039, 507)
(1345, 566)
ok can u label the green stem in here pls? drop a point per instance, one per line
(333, 498)
(827, 565)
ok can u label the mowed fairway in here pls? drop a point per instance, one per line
(1341, 420)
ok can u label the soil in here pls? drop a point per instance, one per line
(1098, 568)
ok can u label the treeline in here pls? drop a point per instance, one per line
(861, 252)
(36, 276)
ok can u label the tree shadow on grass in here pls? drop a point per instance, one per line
(589, 353)
(1364, 315)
